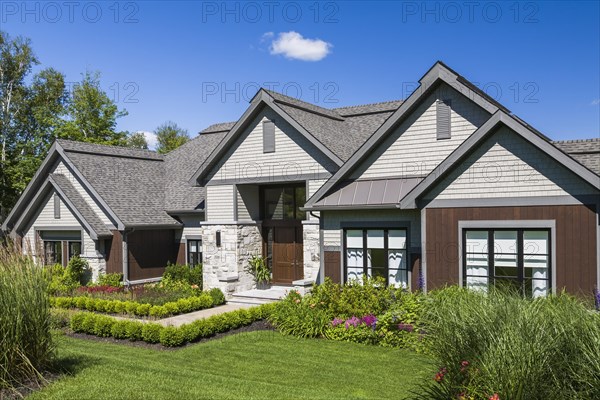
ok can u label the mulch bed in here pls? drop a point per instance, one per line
(255, 326)
(29, 387)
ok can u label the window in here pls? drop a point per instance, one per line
(443, 119)
(74, 249)
(194, 248)
(508, 258)
(376, 253)
(52, 252)
(268, 137)
(284, 202)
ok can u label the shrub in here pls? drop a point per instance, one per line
(103, 325)
(77, 321)
(184, 273)
(500, 343)
(217, 296)
(119, 306)
(76, 269)
(134, 330)
(151, 333)
(172, 337)
(111, 280)
(158, 311)
(119, 329)
(299, 316)
(89, 323)
(143, 309)
(59, 318)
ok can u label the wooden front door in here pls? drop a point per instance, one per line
(282, 230)
(287, 254)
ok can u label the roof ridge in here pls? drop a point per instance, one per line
(367, 104)
(577, 140)
(304, 105)
(144, 154)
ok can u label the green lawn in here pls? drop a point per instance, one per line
(256, 365)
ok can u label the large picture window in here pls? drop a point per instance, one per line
(376, 253)
(507, 258)
(194, 248)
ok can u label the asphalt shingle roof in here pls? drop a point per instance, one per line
(181, 164)
(134, 188)
(80, 204)
(93, 148)
(585, 151)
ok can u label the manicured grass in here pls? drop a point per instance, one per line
(254, 365)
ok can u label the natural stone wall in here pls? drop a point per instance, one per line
(97, 266)
(223, 267)
(312, 253)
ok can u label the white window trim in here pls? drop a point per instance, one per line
(517, 224)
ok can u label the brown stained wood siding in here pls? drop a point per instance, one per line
(575, 253)
(332, 265)
(181, 254)
(415, 270)
(114, 253)
(150, 251)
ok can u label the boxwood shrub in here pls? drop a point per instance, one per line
(185, 305)
(106, 326)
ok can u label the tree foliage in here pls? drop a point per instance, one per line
(170, 136)
(36, 109)
(137, 140)
(92, 115)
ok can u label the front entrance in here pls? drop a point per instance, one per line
(282, 231)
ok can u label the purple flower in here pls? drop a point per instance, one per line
(370, 320)
(406, 327)
(354, 321)
(337, 321)
(421, 283)
(597, 298)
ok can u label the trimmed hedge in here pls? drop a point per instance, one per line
(181, 306)
(170, 336)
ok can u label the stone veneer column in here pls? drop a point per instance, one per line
(312, 250)
(223, 267)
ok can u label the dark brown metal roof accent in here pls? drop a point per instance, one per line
(369, 193)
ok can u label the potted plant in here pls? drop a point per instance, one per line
(258, 268)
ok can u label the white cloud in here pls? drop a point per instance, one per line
(150, 138)
(595, 102)
(293, 45)
(266, 36)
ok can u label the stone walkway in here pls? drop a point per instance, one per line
(182, 319)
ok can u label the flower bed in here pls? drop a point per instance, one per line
(370, 313)
(106, 326)
(88, 302)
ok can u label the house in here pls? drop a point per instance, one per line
(443, 187)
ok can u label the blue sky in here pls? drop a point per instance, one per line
(197, 63)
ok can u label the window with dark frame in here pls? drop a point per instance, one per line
(517, 259)
(376, 253)
(52, 252)
(74, 249)
(194, 248)
(283, 202)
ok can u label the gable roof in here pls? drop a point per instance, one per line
(437, 74)
(77, 204)
(336, 132)
(498, 119)
(132, 182)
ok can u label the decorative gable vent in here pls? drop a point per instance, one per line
(268, 137)
(443, 119)
(56, 207)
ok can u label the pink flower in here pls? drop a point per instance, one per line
(494, 397)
